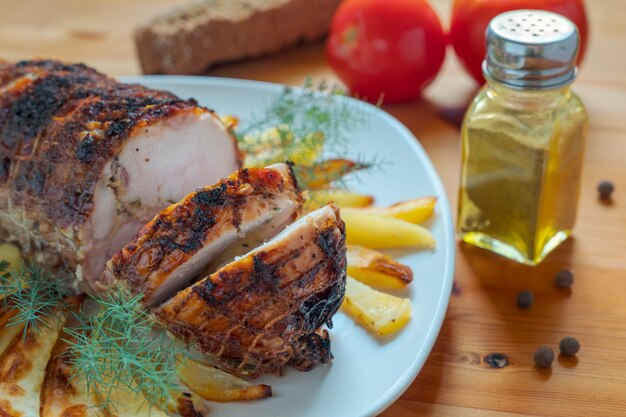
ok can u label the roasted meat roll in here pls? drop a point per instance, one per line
(86, 161)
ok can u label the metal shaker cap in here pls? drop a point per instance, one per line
(531, 49)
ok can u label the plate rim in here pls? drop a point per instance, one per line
(395, 391)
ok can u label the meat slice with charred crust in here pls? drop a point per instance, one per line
(86, 161)
(265, 309)
(183, 240)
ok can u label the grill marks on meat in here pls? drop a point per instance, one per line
(182, 240)
(265, 310)
(61, 127)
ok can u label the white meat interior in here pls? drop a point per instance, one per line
(159, 165)
(304, 228)
(226, 247)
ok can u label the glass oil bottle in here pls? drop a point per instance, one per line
(523, 139)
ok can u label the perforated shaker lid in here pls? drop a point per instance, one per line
(531, 49)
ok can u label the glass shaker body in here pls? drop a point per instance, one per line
(522, 158)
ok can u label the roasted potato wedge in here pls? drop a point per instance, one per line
(381, 313)
(213, 384)
(7, 332)
(375, 231)
(377, 269)
(341, 198)
(416, 210)
(322, 174)
(23, 367)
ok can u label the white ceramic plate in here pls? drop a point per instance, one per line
(368, 373)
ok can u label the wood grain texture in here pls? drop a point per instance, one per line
(483, 317)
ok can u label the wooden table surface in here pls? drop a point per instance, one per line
(483, 316)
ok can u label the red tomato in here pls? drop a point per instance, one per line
(471, 17)
(392, 48)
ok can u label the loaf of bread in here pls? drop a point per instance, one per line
(191, 39)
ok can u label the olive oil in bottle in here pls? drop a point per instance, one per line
(523, 139)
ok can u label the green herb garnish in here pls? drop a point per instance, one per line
(118, 346)
(307, 127)
(32, 294)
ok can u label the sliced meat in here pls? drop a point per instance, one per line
(183, 240)
(265, 309)
(86, 161)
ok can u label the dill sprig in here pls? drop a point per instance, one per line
(306, 126)
(117, 347)
(33, 295)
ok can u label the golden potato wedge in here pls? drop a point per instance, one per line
(375, 231)
(8, 333)
(213, 384)
(23, 368)
(416, 210)
(377, 269)
(12, 255)
(381, 313)
(341, 198)
(322, 174)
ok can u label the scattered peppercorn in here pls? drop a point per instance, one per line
(496, 360)
(564, 278)
(605, 188)
(525, 299)
(569, 346)
(544, 356)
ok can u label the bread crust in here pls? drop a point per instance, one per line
(192, 39)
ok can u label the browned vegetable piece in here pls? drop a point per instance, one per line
(213, 384)
(322, 174)
(376, 268)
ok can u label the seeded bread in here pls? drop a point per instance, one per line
(191, 39)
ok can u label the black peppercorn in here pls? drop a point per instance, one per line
(544, 356)
(564, 278)
(605, 189)
(569, 346)
(525, 299)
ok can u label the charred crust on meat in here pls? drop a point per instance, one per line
(86, 150)
(264, 274)
(311, 350)
(292, 174)
(45, 124)
(204, 290)
(31, 112)
(328, 242)
(213, 197)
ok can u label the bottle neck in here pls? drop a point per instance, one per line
(526, 99)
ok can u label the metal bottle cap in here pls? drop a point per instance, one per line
(531, 49)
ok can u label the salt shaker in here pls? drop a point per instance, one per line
(523, 139)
